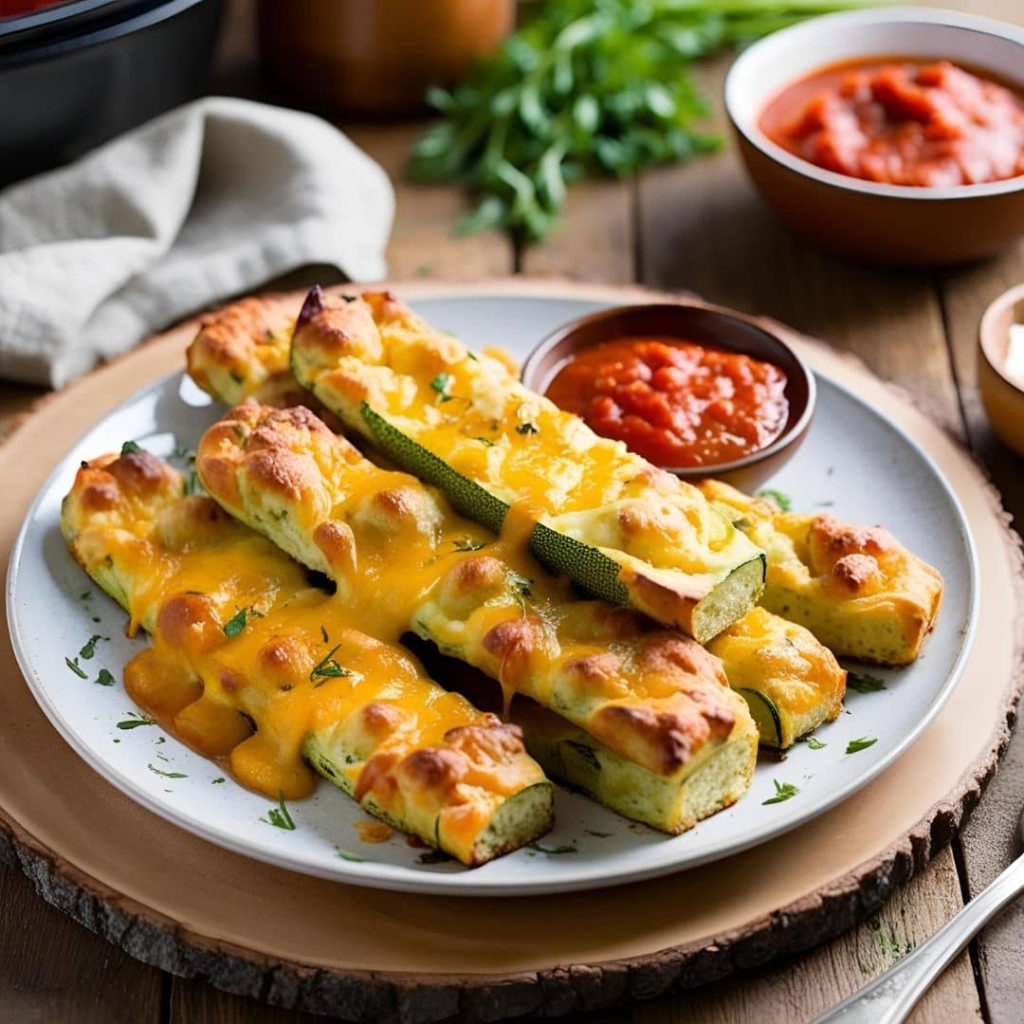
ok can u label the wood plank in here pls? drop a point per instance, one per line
(196, 1002)
(422, 241)
(991, 839)
(52, 970)
(595, 240)
(812, 983)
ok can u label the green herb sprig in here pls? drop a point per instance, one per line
(587, 87)
(279, 816)
(328, 668)
(783, 791)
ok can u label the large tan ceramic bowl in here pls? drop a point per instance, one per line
(881, 223)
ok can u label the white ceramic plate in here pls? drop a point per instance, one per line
(853, 461)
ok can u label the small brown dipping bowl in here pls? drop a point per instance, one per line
(868, 221)
(712, 329)
(1003, 398)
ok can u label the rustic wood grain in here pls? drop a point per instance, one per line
(701, 229)
(596, 239)
(422, 241)
(54, 972)
(992, 838)
(809, 985)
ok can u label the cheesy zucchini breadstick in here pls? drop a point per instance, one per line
(250, 662)
(791, 682)
(856, 588)
(653, 698)
(588, 507)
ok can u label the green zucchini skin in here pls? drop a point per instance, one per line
(589, 567)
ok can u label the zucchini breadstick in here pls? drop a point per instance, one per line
(650, 698)
(791, 682)
(251, 663)
(623, 529)
(856, 588)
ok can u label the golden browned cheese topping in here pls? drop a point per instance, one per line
(406, 561)
(854, 555)
(474, 414)
(241, 639)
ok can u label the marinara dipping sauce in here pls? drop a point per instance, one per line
(677, 403)
(902, 122)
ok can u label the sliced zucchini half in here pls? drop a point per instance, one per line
(698, 608)
(765, 713)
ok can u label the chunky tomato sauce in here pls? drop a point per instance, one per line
(677, 403)
(902, 122)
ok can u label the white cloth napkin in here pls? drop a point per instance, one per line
(201, 204)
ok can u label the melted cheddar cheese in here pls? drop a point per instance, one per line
(251, 664)
(407, 562)
(673, 551)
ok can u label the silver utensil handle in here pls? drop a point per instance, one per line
(892, 995)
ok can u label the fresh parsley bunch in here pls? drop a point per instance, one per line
(586, 87)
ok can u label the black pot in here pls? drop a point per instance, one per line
(74, 75)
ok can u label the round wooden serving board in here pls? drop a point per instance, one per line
(192, 908)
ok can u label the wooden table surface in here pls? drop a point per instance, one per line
(700, 228)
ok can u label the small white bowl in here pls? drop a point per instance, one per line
(865, 219)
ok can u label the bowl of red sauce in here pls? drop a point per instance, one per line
(892, 135)
(695, 390)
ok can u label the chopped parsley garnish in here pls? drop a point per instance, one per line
(323, 633)
(553, 850)
(424, 270)
(780, 498)
(864, 683)
(72, 663)
(135, 720)
(783, 791)
(129, 448)
(105, 678)
(217, 781)
(485, 440)
(855, 746)
(279, 816)
(85, 595)
(89, 650)
(355, 858)
(527, 428)
(440, 384)
(236, 623)
(236, 376)
(166, 775)
(469, 544)
(191, 484)
(742, 523)
(521, 583)
(328, 668)
(814, 743)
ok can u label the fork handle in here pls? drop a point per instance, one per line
(892, 995)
